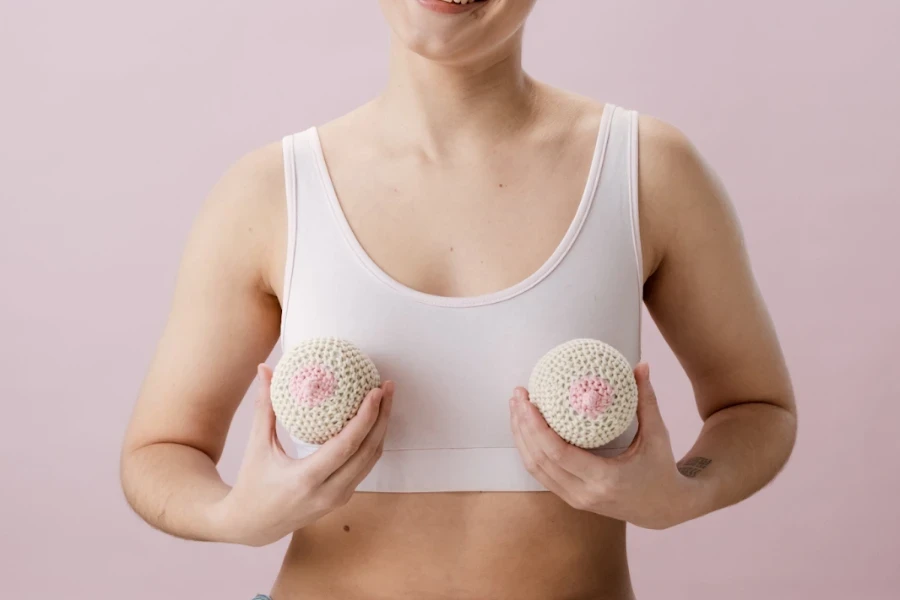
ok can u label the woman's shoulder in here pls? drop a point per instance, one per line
(587, 112)
(669, 162)
(253, 181)
(244, 211)
(677, 187)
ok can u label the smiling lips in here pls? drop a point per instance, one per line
(450, 6)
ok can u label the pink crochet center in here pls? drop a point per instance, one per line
(590, 396)
(312, 385)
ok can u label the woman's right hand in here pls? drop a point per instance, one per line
(275, 495)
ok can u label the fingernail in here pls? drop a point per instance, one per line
(512, 403)
(379, 394)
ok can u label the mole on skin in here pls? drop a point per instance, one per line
(346, 528)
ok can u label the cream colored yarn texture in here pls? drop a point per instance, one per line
(318, 385)
(586, 391)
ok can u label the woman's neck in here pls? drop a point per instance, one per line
(454, 106)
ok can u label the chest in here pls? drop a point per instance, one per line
(466, 226)
(555, 243)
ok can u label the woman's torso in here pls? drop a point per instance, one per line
(533, 245)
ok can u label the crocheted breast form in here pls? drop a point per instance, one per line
(318, 385)
(586, 391)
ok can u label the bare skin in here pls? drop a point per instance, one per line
(458, 180)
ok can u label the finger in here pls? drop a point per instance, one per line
(263, 431)
(531, 463)
(349, 476)
(339, 449)
(574, 462)
(649, 416)
(535, 439)
(533, 468)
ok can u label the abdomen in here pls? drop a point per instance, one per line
(458, 546)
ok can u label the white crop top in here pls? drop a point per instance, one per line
(456, 360)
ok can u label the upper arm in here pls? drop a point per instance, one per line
(702, 293)
(224, 317)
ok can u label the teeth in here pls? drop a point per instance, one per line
(459, 1)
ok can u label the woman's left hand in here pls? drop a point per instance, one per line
(642, 486)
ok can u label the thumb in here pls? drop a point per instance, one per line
(649, 415)
(263, 428)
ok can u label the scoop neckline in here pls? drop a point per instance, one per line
(550, 264)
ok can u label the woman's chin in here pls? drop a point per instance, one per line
(456, 32)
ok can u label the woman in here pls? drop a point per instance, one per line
(455, 228)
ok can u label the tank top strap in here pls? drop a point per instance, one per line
(310, 224)
(619, 179)
(610, 240)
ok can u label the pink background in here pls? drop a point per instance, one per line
(117, 117)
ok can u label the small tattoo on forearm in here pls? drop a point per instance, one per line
(692, 466)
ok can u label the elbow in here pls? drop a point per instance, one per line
(786, 406)
(791, 426)
(127, 476)
(779, 424)
(136, 464)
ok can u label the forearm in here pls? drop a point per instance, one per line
(176, 489)
(740, 449)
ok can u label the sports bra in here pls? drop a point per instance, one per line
(456, 360)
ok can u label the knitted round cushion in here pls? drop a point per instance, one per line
(586, 391)
(318, 385)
